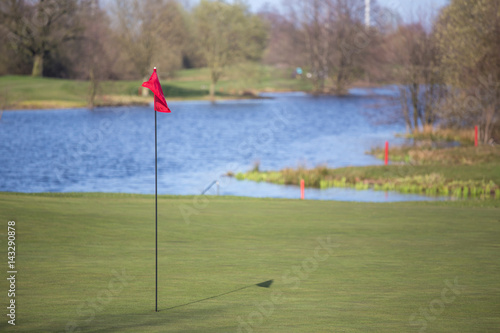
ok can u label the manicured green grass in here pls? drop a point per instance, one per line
(242, 77)
(27, 92)
(387, 262)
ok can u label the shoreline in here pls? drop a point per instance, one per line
(434, 172)
(468, 202)
(64, 105)
(133, 100)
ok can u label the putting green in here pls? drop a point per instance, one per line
(85, 262)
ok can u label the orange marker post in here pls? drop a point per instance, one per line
(302, 189)
(386, 152)
(475, 136)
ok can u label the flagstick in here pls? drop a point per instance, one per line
(156, 215)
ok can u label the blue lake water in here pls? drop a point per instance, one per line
(112, 149)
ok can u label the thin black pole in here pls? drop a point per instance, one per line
(156, 217)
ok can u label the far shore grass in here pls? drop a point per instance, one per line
(464, 171)
(86, 263)
(25, 92)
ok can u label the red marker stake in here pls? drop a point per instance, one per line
(475, 136)
(386, 152)
(302, 189)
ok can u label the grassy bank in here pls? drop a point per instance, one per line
(25, 92)
(463, 136)
(429, 153)
(386, 269)
(458, 172)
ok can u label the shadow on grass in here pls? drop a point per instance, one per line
(96, 321)
(265, 284)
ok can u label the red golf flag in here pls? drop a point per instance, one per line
(154, 85)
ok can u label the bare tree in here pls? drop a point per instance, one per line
(313, 19)
(39, 27)
(286, 44)
(468, 34)
(335, 40)
(227, 33)
(150, 31)
(417, 69)
(93, 56)
(352, 38)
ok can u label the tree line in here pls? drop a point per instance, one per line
(445, 65)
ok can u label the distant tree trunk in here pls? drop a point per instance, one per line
(93, 86)
(37, 65)
(341, 78)
(314, 60)
(404, 106)
(214, 75)
(414, 102)
(489, 113)
(426, 119)
(212, 91)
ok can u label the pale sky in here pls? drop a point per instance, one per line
(408, 9)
